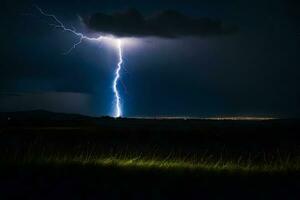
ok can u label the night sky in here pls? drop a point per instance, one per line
(253, 70)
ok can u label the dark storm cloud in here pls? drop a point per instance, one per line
(168, 24)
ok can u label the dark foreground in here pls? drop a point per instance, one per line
(93, 182)
(52, 156)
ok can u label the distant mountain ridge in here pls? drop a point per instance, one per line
(41, 115)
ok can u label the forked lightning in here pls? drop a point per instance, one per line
(81, 36)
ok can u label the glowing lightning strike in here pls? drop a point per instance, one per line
(59, 24)
(118, 110)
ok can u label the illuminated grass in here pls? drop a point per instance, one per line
(167, 164)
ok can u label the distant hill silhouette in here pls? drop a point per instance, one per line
(40, 115)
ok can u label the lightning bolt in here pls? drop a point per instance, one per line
(118, 110)
(58, 24)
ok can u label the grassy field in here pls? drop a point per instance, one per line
(173, 162)
(90, 158)
(84, 177)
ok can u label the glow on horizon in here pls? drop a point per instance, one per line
(117, 98)
(233, 118)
